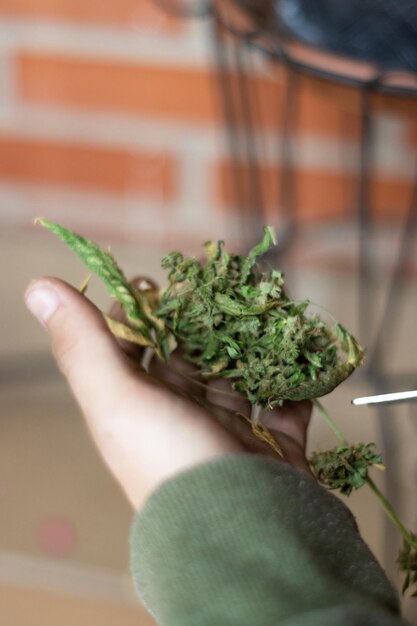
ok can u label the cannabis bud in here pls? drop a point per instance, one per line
(231, 320)
(346, 467)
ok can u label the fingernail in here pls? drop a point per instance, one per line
(42, 301)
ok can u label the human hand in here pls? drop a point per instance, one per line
(145, 431)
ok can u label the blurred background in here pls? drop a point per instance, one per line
(147, 130)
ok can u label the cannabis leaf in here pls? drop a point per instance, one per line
(103, 264)
(346, 467)
(131, 301)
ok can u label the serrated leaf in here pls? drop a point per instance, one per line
(105, 267)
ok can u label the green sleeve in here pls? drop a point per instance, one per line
(249, 541)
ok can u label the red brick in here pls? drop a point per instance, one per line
(190, 94)
(139, 13)
(112, 86)
(318, 194)
(113, 171)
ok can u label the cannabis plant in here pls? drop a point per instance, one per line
(233, 321)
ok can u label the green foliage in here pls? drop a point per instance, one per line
(103, 264)
(144, 325)
(235, 322)
(407, 563)
(346, 467)
(231, 320)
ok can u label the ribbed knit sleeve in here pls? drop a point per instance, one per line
(249, 541)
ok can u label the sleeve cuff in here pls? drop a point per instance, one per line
(245, 536)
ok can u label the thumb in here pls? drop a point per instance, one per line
(85, 350)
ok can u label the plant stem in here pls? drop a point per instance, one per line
(407, 535)
(389, 510)
(329, 421)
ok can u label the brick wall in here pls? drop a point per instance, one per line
(110, 121)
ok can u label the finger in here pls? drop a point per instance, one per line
(292, 418)
(288, 424)
(221, 393)
(84, 348)
(294, 454)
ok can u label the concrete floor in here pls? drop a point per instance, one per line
(50, 471)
